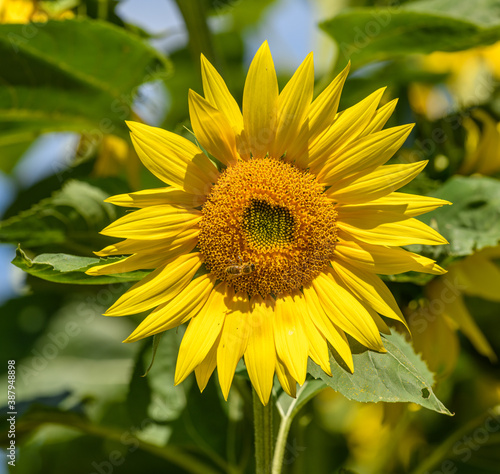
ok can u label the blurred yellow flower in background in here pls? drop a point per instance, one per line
(24, 11)
(482, 145)
(470, 80)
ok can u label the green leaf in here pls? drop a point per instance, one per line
(72, 216)
(375, 34)
(397, 376)
(62, 268)
(75, 75)
(471, 223)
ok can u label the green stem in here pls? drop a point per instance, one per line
(279, 454)
(263, 429)
(195, 13)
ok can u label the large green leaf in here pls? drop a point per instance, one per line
(471, 223)
(397, 376)
(374, 34)
(62, 268)
(70, 220)
(74, 75)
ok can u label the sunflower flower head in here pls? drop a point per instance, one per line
(273, 255)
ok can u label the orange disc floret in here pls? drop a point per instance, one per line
(270, 216)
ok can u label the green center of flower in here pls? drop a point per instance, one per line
(268, 226)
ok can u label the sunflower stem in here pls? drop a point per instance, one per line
(263, 429)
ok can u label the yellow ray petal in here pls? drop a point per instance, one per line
(453, 306)
(155, 197)
(204, 371)
(130, 264)
(201, 334)
(212, 129)
(130, 246)
(153, 223)
(287, 382)
(346, 127)
(318, 348)
(320, 117)
(384, 260)
(173, 159)
(364, 187)
(293, 104)
(159, 287)
(260, 102)
(347, 312)
(176, 312)
(217, 93)
(402, 232)
(234, 339)
(333, 334)
(260, 355)
(367, 287)
(292, 345)
(380, 118)
(366, 153)
(153, 257)
(410, 205)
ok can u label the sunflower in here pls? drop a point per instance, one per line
(271, 232)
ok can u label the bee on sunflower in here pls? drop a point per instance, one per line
(302, 197)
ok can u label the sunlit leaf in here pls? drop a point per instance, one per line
(62, 268)
(397, 376)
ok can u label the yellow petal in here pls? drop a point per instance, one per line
(346, 128)
(287, 382)
(364, 187)
(173, 159)
(234, 339)
(366, 153)
(217, 93)
(176, 312)
(320, 117)
(260, 355)
(369, 288)
(159, 287)
(153, 223)
(347, 312)
(380, 118)
(155, 197)
(204, 371)
(333, 334)
(212, 129)
(293, 104)
(403, 232)
(129, 246)
(410, 205)
(292, 345)
(318, 348)
(260, 102)
(201, 334)
(153, 257)
(384, 260)
(134, 262)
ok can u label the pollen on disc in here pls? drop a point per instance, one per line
(268, 213)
